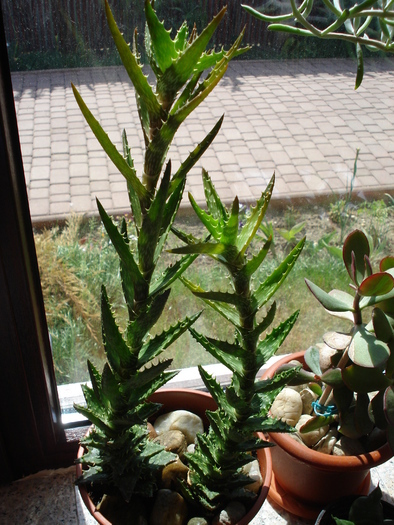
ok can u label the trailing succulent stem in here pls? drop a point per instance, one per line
(216, 465)
(118, 451)
(369, 24)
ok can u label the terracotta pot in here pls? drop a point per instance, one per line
(304, 480)
(340, 509)
(197, 402)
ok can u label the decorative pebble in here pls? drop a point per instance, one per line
(151, 431)
(308, 397)
(233, 512)
(325, 355)
(191, 448)
(197, 521)
(188, 423)
(287, 406)
(116, 510)
(252, 470)
(172, 472)
(169, 508)
(310, 438)
(348, 447)
(173, 441)
(327, 443)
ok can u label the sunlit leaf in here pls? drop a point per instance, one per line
(364, 380)
(376, 284)
(357, 243)
(312, 359)
(367, 351)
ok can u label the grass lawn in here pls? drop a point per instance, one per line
(77, 258)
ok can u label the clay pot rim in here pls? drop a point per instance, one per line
(263, 454)
(318, 459)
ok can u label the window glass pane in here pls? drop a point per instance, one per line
(290, 107)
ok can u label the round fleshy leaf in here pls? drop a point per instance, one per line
(364, 380)
(347, 425)
(376, 411)
(367, 351)
(362, 421)
(386, 263)
(388, 404)
(376, 284)
(337, 340)
(312, 359)
(356, 243)
(334, 301)
(333, 377)
(382, 327)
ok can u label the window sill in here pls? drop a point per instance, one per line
(186, 378)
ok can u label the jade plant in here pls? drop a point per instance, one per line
(369, 23)
(118, 452)
(243, 408)
(358, 389)
(366, 510)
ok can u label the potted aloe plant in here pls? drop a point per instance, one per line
(118, 462)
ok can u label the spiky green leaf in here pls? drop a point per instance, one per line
(270, 344)
(195, 155)
(180, 70)
(163, 46)
(117, 351)
(215, 206)
(160, 342)
(133, 68)
(253, 264)
(226, 311)
(119, 161)
(138, 329)
(232, 360)
(230, 230)
(266, 290)
(122, 248)
(254, 220)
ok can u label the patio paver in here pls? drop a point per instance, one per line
(302, 119)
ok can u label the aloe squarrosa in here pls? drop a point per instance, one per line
(119, 452)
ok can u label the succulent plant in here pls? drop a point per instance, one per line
(366, 510)
(369, 24)
(358, 390)
(215, 466)
(118, 451)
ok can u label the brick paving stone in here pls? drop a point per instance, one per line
(303, 120)
(39, 207)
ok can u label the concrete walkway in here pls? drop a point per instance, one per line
(302, 119)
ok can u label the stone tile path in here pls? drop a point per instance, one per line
(302, 119)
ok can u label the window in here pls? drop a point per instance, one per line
(32, 436)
